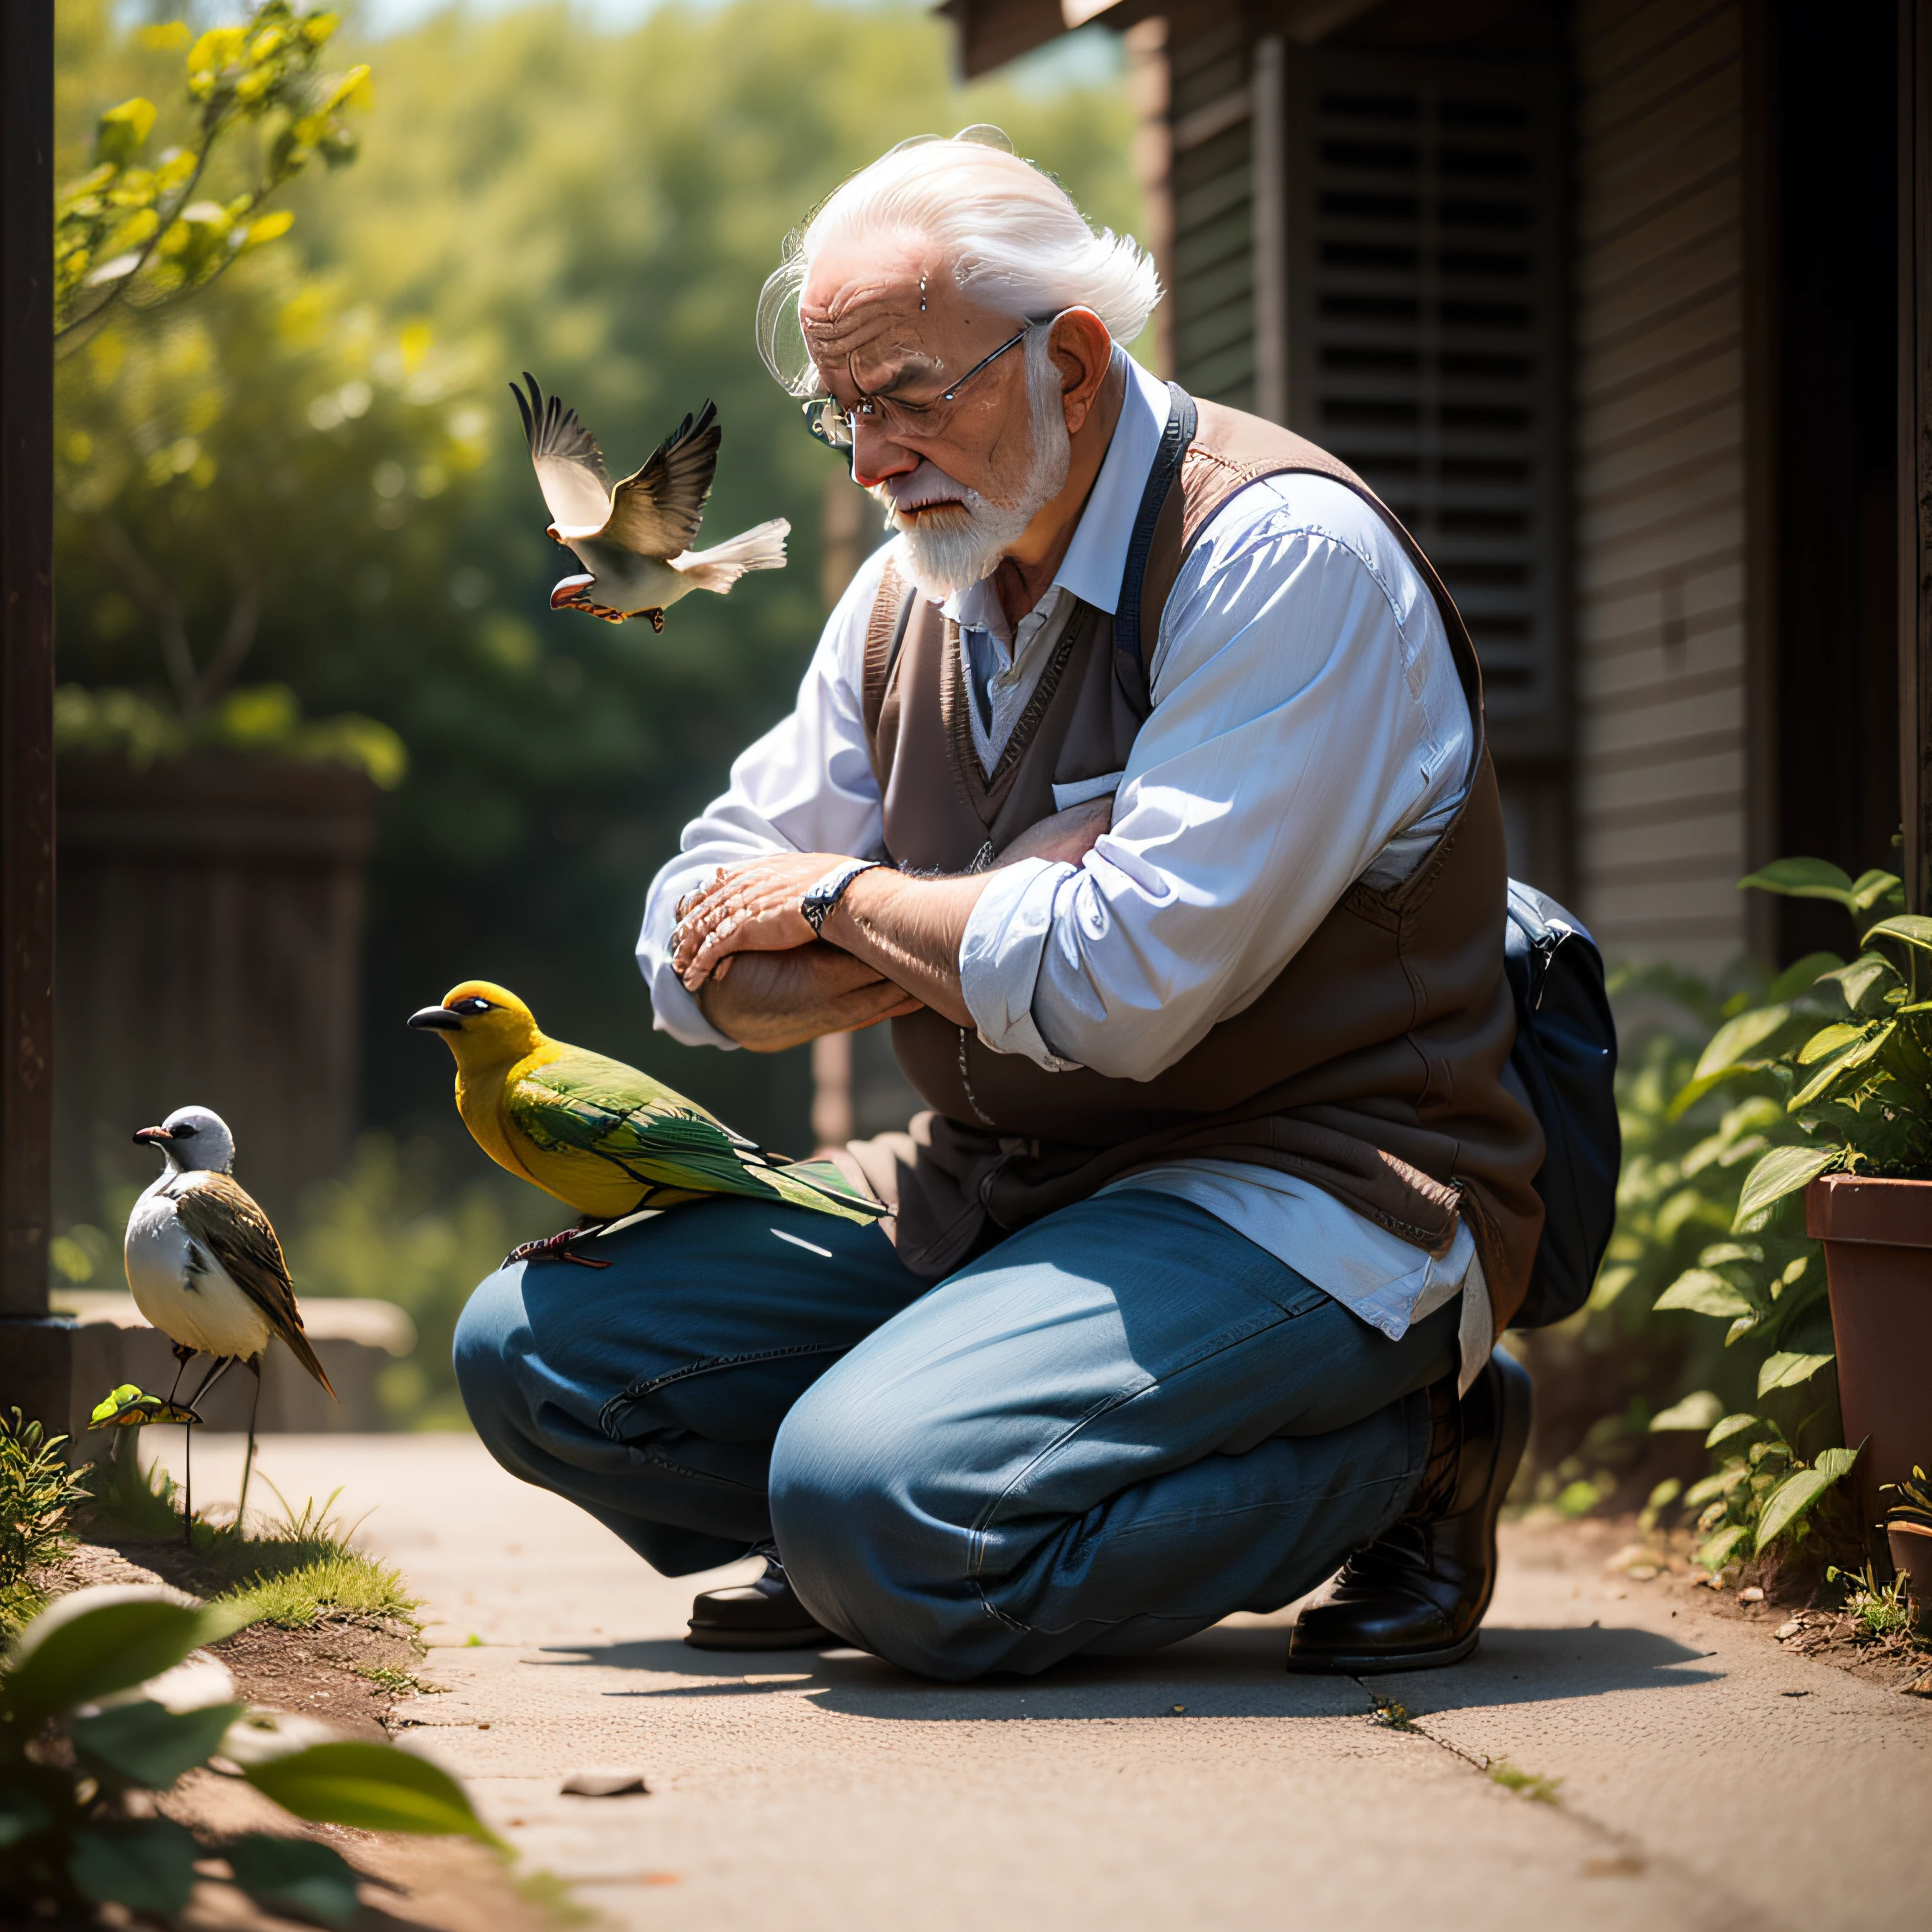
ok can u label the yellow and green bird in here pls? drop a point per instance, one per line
(602, 1137)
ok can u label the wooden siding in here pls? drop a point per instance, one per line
(1658, 446)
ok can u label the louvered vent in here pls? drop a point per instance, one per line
(1424, 269)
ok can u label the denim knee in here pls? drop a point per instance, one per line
(868, 1555)
(482, 1348)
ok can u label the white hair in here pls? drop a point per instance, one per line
(1004, 228)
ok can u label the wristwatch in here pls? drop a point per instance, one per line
(821, 898)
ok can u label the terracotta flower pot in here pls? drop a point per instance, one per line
(1878, 1263)
(1911, 1544)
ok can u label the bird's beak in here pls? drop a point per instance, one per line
(152, 1136)
(569, 589)
(436, 1019)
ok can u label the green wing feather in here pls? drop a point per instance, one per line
(581, 1102)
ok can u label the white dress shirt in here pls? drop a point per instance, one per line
(1308, 730)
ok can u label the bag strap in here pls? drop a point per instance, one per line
(1130, 664)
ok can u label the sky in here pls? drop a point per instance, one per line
(1077, 59)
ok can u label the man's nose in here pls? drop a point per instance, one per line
(876, 456)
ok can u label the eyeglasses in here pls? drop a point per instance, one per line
(836, 426)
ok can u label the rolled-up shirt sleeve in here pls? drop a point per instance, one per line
(806, 786)
(1307, 709)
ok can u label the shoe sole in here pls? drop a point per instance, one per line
(1378, 1663)
(805, 1637)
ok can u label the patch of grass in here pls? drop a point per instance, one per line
(1393, 1716)
(1880, 1610)
(133, 1504)
(1524, 1784)
(303, 1571)
(38, 1494)
(397, 1683)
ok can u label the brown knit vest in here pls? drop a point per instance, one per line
(1374, 1065)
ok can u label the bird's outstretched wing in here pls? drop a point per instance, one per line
(582, 1103)
(569, 465)
(222, 1215)
(657, 512)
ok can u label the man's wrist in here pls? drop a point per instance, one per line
(821, 898)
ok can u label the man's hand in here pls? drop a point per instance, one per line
(749, 908)
(768, 1001)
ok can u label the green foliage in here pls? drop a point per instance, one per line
(598, 207)
(102, 1702)
(129, 1406)
(1831, 1069)
(37, 1496)
(132, 232)
(1914, 1498)
(1880, 1610)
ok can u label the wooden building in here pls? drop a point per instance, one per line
(1604, 297)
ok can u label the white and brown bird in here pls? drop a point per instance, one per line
(633, 540)
(203, 1259)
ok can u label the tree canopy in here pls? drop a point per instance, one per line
(323, 444)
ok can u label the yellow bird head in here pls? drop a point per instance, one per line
(485, 1024)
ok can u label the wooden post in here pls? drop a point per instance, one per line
(35, 1349)
(1914, 444)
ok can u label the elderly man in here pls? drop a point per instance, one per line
(1139, 782)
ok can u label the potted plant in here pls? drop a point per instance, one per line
(1908, 1531)
(1852, 1052)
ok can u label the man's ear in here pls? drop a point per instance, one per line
(1083, 352)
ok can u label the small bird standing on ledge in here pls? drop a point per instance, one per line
(205, 1266)
(634, 541)
(602, 1137)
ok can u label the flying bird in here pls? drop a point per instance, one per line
(204, 1264)
(600, 1136)
(635, 540)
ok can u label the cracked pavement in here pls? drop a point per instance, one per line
(1692, 1773)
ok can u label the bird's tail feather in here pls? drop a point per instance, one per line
(819, 1186)
(761, 547)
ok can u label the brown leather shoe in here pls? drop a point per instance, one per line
(763, 1615)
(1414, 1598)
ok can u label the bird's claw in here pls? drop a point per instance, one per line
(604, 610)
(657, 620)
(555, 1248)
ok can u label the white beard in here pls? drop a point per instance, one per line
(959, 540)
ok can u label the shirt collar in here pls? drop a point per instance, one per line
(1097, 555)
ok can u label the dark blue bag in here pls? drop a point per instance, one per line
(1566, 1056)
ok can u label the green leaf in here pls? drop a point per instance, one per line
(1801, 974)
(1857, 979)
(1803, 879)
(1701, 1292)
(296, 1876)
(1784, 1170)
(96, 1642)
(1788, 1370)
(1698, 1410)
(129, 1407)
(1790, 1503)
(1717, 1549)
(145, 1744)
(1719, 1253)
(120, 132)
(1735, 1039)
(1731, 1426)
(375, 1787)
(1707, 1489)
(1829, 1041)
(1828, 1077)
(1732, 1049)
(146, 1865)
(1837, 1463)
(1913, 928)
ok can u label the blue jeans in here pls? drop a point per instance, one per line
(1110, 1431)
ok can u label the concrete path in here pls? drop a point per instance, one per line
(1706, 1778)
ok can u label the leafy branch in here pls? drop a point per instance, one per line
(131, 233)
